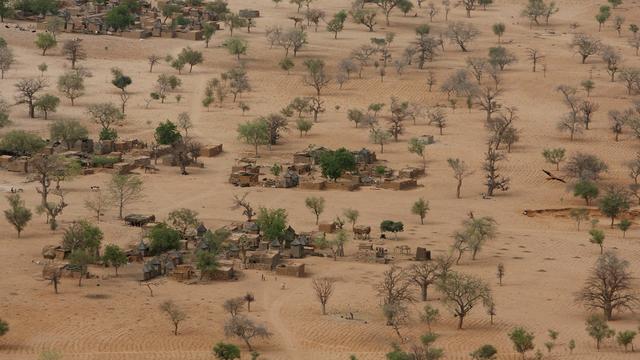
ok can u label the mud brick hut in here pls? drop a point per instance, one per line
(263, 260)
(290, 269)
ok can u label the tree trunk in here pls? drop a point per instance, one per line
(324, 311)
(423, 291)
(460, 321)
(458, 189)
(175, 329)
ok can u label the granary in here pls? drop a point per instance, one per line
(250, 227)
(289, 235)
(290, 179)
(151, 269)
(364, 156)
(143, 248)
(274, 245)
(183, 272)
(263, 260)
(201, 230)
(290, 269)
(296, 249)
(310, 155)
(422, 254)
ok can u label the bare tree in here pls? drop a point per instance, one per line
(395, 288)
(323, 288)
(587, 108)
(460, 171)
(438, 118)
(74, 51)
(175, 314)
(153, 60)
(397, 316)
(28, 90)
(534, 56)
(462, 33)
(423, 275)
(609, 286)
(494, 179)
(631, 78)
(585, 45)
(477, 66)
(613, 59)
(240, 202)
(234, 305)
(486, 99)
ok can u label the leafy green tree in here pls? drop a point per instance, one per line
(47, 103)
(45, 41)
(597, 237)
(6, 60)
(477, 231)
(501, 57)
(17, 214)
(119, 18)
(420, 208)
(462, 292)
(335, 163)
(224, 351)
(417, 146)
(191, 57)
(624, 225)
(106, 115)
(579, 215)
(4, 327)
(336, 24)
(303, 125)
(163, 238)
(207, 263)
(184, 220)
(114, 256)
(67, 131)
(615, 202)
(81, 259)
(392, 226)
(272, 223)
(286, 64)
(167, 133)
(586, 189)
(124, 189)
(625, 338)
(21, 142)
(121, 81)
(352, 216)
(598, 329)
(522, 340)
(208, 30)
(316, 205)
(484, 352)
(554, 156)
(499, 29)
(82, 235)
(71, 85)
(255, 132)
(236, 46)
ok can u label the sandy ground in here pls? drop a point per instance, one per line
(546, 259)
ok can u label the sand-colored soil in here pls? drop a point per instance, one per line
(546, 259)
